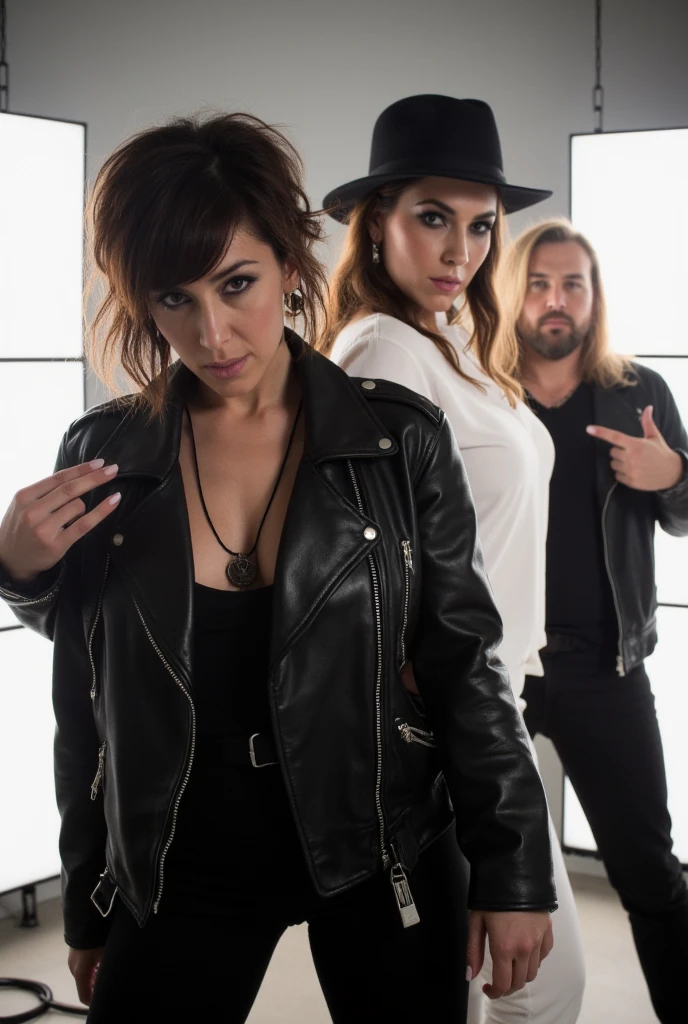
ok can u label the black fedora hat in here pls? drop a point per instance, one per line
(434, 136)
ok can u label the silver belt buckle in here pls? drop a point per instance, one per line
(252, 754)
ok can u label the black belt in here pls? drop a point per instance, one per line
(258, 750)
(561, 642)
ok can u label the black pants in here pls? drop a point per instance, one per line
(210, 968)
(604, 728)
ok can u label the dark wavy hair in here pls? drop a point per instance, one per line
(162, 211)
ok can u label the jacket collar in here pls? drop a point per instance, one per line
(340, 423)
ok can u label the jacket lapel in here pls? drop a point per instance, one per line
(155, 555)
(614, 410)
(151, 544)
(322, 540)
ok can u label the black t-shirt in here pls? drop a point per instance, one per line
(579, 598)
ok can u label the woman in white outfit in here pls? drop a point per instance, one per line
(424, 230)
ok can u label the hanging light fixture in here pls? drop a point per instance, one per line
(4, 68)
(598, 91)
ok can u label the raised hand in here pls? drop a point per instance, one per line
(645, 463)
(45, 519)
(519, 942)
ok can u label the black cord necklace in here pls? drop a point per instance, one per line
(242, 570)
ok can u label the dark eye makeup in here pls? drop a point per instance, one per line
(233, 286)
(434, 219)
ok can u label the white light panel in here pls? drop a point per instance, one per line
(669, 677)
(38, 401)
(41, 213)
(644, 280)
(41, 230)
(645, 288)
(30, 822)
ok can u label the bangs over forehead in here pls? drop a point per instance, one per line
(184, 229)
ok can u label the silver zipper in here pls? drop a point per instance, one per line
(101, 771)
(402, 893)
(408, 569)
(378, 685)
(187, 773)
(94, 627)
(411, 734)
(619, 658)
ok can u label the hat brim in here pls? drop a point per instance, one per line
(340, 201)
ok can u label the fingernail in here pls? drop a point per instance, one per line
(469, 974)
(591, 430)
(97, 463)
(115, 498)
(111, 470)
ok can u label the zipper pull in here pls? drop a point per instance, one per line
(99, 774)
(408, 554)
(402, 894)
(405, 731)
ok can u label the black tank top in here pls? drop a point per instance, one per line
(230, 816)
(231, 656)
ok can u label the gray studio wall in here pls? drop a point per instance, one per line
(326, 69)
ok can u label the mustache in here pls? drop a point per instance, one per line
(555, 316)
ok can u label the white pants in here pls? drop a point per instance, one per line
(556, 995)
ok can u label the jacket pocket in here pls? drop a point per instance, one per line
(407, 567)
(100, 774)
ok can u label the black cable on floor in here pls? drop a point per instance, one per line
(44, 995)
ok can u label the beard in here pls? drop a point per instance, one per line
(555, 344)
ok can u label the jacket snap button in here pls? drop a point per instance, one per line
(369, 385)
(117, 540)
(370, 533)
(385, 443)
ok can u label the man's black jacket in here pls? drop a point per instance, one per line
(629, 516)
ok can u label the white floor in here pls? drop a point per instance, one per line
(615, 991)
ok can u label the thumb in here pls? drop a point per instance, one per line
(475, 946)
(648, 424)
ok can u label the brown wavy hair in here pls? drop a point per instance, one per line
(358, 284)
(162, 212)
(599, 364)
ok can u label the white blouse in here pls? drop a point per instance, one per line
(508, 454)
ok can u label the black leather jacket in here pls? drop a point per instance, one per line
(629, 516)
(378, 563)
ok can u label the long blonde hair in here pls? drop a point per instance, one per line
(599, 364)
(358, 283)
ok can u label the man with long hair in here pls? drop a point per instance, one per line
(621, 466)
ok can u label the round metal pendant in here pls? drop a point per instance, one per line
(241, 571)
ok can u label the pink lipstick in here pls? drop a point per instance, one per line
(228, 370)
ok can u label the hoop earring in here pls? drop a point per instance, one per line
(376, 252)
(293, 303)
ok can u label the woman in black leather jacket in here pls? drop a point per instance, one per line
(234, 564)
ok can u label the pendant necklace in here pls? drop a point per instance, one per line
(243, 569)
